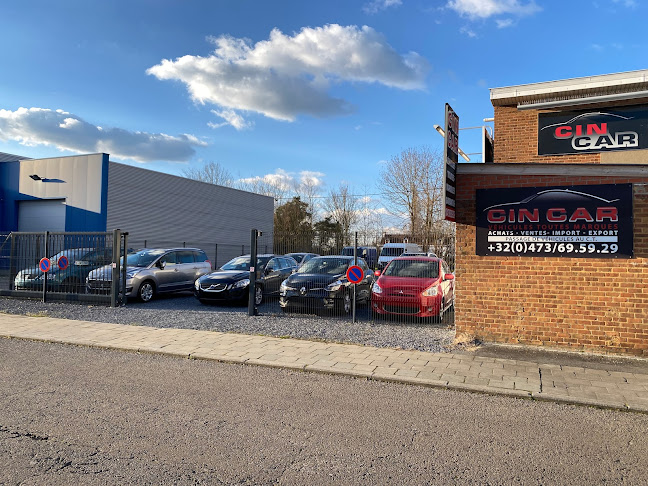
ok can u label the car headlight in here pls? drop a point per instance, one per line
(197, 284)
(376, 289)
(241, 283)
(132, 273)
(333, 287)
(431, 291)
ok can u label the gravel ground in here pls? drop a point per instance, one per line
(184, 311)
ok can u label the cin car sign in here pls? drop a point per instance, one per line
(580, 132)
(576, 221)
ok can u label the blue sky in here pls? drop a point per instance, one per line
(287, 90)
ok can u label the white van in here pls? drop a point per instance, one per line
(390, 251)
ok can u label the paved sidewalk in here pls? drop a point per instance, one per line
(523, 379)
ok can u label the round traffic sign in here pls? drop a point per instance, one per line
(44, 264)
(355, 274)
(63, 262)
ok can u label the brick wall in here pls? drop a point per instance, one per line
(578, 303)
(516, 139)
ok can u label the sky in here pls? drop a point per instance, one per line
(288, 91)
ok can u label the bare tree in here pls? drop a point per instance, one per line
(342, 206)
(413, 184)
(262, 186)
(211, 172)
(308, 190)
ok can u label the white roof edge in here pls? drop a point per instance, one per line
(534, 168)
(567, 85)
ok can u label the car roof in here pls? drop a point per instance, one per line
(169, 249)
(417, 257)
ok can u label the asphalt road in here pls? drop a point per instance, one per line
(73, 415)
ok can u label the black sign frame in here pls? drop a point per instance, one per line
(593, 131)
(451, 159)
(559, 221)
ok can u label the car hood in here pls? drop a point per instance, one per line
(30, 271)
(412, 284)
(106, 271)
(225, 276)
(312, 279)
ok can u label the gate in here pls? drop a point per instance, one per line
(60, 266)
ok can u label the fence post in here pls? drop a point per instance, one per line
(123, 299)
(355, 262)
(253, 260)
(215, 256)
(115, 267)
(45, 273)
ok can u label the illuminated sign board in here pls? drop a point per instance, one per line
(574, 222)
(579, 132)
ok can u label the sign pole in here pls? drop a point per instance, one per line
(45, 273)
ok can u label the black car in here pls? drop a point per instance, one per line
(321, 284)
(232, 281)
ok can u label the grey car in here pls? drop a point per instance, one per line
(153, 271)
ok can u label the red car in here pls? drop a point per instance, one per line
(416, 286)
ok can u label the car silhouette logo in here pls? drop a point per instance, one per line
(302, 291)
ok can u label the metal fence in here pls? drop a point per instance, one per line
(56, 266)
(83, 267)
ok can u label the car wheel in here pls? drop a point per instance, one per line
(441, 311)
(346, 302)
(258, 295)
(146, 291)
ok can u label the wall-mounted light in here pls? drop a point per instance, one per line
(36, 177)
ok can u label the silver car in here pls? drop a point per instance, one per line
(153, 271)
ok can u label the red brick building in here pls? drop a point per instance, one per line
(576, 292)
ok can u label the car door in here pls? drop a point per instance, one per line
(272, 276)
(167, 278)
(187, 268)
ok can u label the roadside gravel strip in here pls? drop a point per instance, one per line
(185, 312)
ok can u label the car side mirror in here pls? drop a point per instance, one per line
(161, 264)
(377, 273)
(448, 276)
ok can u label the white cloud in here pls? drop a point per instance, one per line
(287, 181)
(468, 32)
(376, 6)
(627, 3)
(231, 118)
(487, 8)
(311, 178)
(286, 76)
(502, 24)
(65, 131)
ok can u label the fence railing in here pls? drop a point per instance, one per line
(56, 266)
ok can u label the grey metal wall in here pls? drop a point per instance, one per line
(167, 210)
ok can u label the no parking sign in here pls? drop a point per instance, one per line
(355, 274)
(44, 265)
(63, 262)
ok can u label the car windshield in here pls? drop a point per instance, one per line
(143, 258)
(412, 269)
(392, 251)
(243, 263)
(325, 266)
